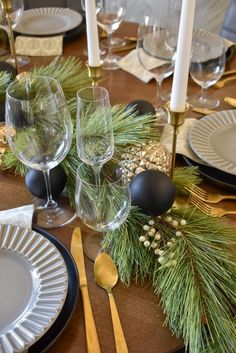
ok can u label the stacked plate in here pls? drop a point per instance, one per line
(47, 21)
(39, 289)
(213, 139)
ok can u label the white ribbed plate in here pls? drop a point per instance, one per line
(48, 20)
(33, 287)
(213, 139)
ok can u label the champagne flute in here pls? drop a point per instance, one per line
(94, 130)
(206, 67)
(156, 55)
(39, 132)
(12, 10)
(109, 17)
(104, 207)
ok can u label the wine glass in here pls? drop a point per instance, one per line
(15, 9)
(207, 65)
(105, 207)
(39, 131)
(109, 17)
(94, 129)
(156, 54)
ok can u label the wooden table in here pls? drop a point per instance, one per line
(140, 315)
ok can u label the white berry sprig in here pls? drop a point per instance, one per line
(163, 243)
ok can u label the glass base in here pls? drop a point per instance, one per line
(21, 60)
(115, 42)
(52, 217)
(197, 101)
(92, 245)
(165, 96)
(162, 116)
(111, 63)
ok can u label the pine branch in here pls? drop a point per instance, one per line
(68, 71)
(132, 260)
(185, 176)
(198, 293)
(5, 79)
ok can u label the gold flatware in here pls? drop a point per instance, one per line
(230, 101)
(204, 111)
(221, 83)
(90, 328)
(106, 277)
(207, 196)
(209, 210)
(124, 48)
(134, 39)
(229, 72)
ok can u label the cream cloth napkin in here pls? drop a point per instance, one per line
(20, 216)
(34, 46)
(183, 146)
(130, 63)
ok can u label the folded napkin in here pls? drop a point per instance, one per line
(20, 216)
(130, 63)
(183, 146)
(34, 46)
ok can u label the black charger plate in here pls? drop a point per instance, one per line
(71, 299)
(215, 176)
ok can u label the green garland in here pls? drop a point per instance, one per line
(188, 255)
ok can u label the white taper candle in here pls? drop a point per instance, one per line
(92, 33)
(180, 79)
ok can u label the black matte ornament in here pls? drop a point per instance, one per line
(141, 107)
(4, 66)
(35, 183)
(153, 192)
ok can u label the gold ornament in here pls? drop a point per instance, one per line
(145, 156)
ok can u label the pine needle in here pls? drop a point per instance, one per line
(132, 260)
(68, 71)
(5, 78)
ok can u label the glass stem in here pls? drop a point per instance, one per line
(204, 94)
(97, 173)
(50, 202)
(158, 94)
(109, 38)
(12, 41)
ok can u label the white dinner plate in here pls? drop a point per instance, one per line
(48, 21)
(34, 284)
(213, 139)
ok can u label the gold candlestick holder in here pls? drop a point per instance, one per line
(95, 73)
(176, 119)
(7, 6)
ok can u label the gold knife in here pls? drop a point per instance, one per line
(90, 328)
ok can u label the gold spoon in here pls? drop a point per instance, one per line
(230, 101)
(106, 276)
(221, 83)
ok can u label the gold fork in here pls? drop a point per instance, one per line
(221, 83)
(207, 196)
(209, 210)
